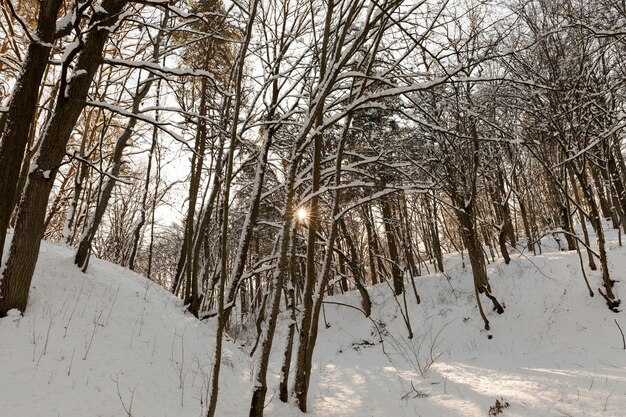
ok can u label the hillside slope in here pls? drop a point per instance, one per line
(93, 344)
(88, 341)
(554, 352)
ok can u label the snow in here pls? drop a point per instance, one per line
(66, 21)
(99, 9)
(86, 335)
(120, 18)
(90, 344)
(69, 49)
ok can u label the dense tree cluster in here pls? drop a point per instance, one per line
(312, 147)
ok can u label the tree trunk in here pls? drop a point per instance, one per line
(283, 387)
(255, 197)
(228, 176)
(475, 253)
(499, 213)
(21, 109)
(310, 320)
(20, 265)
(396, 272)
(434, 234)
(372, 247)
(84, 247)
(605, 207)
(619, 191)
(301, 386)
(142, 210)
(474, 248)
(79, 180)
(612, 301)
(191, 284)
(406, 236)
(525, 221)
(583, 225)
(357, 270)
(260, 381)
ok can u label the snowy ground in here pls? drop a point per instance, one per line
(97, 344)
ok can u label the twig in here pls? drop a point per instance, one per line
(418, 394)
(45, 346)
(129, 410)
(23, 24)
(96, 168)
(69, 320)
(620, 330)
(71, 361)
(93, 333)
(606, 402)
(112, 305)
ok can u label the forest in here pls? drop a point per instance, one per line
(255, 157)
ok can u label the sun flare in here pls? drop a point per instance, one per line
(302, 214)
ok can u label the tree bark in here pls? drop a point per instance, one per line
(372, 247)
(618, 189)
(434, 233)
(357, 270)
(255, 198)
(260, 387)
(612, 301)
(20, 265)
(388, 220)
(283, 387)
(21, 109)
(301, 386)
